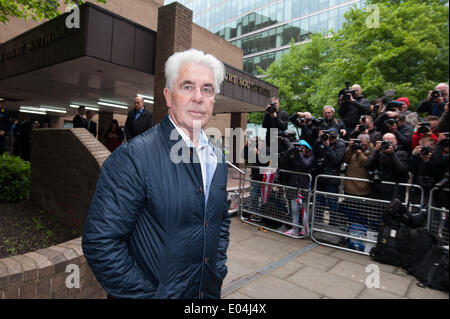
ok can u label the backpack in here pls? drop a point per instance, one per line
(391, 243)
(420, 242)
(395, 214)
(433, 270)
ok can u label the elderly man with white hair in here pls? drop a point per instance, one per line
(158, 225)
(435, 102)
(352, 106)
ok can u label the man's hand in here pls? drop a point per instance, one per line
(378, 145)
(351, 99)
(429, 97)
(343, 132)
(2, 132)
(389, 150)
(416, 150)
(392, 127)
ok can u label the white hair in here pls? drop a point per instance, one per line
(176, 60)
(328, 107)
(364, 137)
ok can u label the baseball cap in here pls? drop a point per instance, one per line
(332, 131)
(404, 100)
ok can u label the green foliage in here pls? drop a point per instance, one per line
(14, 178)
(408, 53)
(34, 9)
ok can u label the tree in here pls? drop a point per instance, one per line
(407, 52)
(34, 9)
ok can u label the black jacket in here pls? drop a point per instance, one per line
(329, 158)
(350, 112)
(431, 107)
(280, 122)
(92, 127)
(135, 127)
(333, 123)
(79, 121)
(392, 167)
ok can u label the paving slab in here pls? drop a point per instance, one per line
(327, 284)
(270, 287)
(287, 270)
(389, 282)
(374, 293)
(236, 295)
(361, 259)
(416, 292)
(316, 260)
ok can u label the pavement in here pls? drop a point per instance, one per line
(267, 265)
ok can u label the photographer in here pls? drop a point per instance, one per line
(367, 127)
(425, 173)
(435, 101)
(395, 123)
(305, 121)
(351, 106)
(330, 150)
(274, 118)
(388, 163)
(443, 121)
(427, 128)
(440, 154)
(329, 122)
(356, 156)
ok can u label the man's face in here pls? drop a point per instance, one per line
(138, 103)
(369, 123)
(81, 111)
(328, 114)
(442, 88)
(364, 144)
(192, 98)
(357, 89)
(390, 137)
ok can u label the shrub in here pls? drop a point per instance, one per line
(14, 178)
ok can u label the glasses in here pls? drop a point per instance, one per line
(206, 91)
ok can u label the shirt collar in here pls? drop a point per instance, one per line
(202, 141)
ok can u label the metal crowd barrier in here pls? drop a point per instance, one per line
(274, 206)
(438, 213)
(352, 222)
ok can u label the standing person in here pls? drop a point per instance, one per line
(435, 102)
(91, 126)
(158, 225)
(79, 120)
(4, 127)
(352, 106)
(138, 120)
(22, 142)
(274, 118)
(113, 136)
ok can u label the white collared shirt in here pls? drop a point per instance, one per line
(206, 155)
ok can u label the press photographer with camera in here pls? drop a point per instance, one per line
(274, 118)
(308, 124)
(394, 122)
(329, 151)
(427, 128)
(352, 105)
(329, 121)
(356, 156)
(367, 127)
(387, 163)
(435, 102)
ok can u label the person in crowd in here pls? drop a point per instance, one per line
(366, 127)
(388, 163)
(274, 118)
(22, 142)
(395, 123)
(329, 154)
(138, 120)
(91, 126)
(114, 136)
(443, 121)
(329, 121)
(412, 118)
(78, 120)
(426, 128)
(4, 127)
(158, 224)
(305, 121)
(352, 106)
(435, 102)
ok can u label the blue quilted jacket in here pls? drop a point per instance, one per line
(147, 233)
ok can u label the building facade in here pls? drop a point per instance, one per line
(263, 29)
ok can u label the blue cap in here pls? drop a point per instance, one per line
(305, 143)
(333, 131)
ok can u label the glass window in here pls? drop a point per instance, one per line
(313, 6)
(239, 43)
(314, 24)
(304, 7)
(265, 18)
(323, 4)
(333, 20)
(272, 13)
(245, 25)
(304, 29)
(264, 40)
(287, 10)
(323, 23)
(258, 20)
(257, 42)
(272, 39)
(295, 8)
(251, 22)
(296, 30)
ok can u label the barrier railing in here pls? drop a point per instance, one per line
(438, 213)
(276, 206)
(352, 222)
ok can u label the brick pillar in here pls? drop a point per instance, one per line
(238, 120)
(104, 122)
(174, 35)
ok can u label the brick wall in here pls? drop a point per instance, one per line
(42, 274)
(65, 165)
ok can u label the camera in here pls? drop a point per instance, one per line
(424, 127)
(272, 108)
(356, 144)
(376, 107)
(362, 119)
(437, 93)
(386, 144)
(375, 176)
(344, 93)
(391, 121)
(317, 121)
(425, 150)
(362, 128)
(324, 137)
(393, 106)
